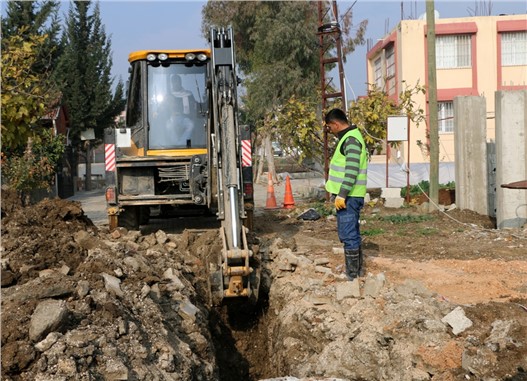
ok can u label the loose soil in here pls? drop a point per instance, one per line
(50, 249)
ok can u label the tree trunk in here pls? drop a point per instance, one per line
(270, 159)
(88, 165)
(261, 157)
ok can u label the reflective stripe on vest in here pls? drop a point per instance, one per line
(338, 165)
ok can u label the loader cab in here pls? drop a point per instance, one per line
(174, 117)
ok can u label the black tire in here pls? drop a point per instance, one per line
(129, 218)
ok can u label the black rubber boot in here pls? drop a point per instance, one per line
(352, 258)
(361, 263)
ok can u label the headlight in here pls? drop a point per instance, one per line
(202, 57)
(151, 57)
(162, 56)
(190, 56)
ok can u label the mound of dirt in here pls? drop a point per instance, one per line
(79, 303)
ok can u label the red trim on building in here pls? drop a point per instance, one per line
(381, 44)
(511, 25)
(444, 95)
(455, 28)
(474, 58)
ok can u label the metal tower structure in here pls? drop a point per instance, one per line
(329, 34)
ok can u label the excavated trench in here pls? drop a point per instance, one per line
(239, 336)
(238, 329)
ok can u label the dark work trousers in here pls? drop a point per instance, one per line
(348, 225)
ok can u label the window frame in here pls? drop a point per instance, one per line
(453, 44)
(514, 52)
(445, 117)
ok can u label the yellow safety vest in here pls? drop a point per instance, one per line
(337, 168)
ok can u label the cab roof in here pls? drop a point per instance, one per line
(141, 54)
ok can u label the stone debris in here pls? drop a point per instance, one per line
(348, 290)
(457, 320)
(112, 284)
(338, 250)
(48, 316)
(309, 215)
(374, 284)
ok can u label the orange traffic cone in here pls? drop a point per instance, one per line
(289, 201)
(271, 199)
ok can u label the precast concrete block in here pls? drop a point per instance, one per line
(511, 166)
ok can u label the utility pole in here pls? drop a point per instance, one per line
(432, 104)
(329, 34)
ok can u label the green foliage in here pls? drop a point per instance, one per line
(371, 113)
(277, 48)
(26, 95)
(424, 187)
(406, 218)
(84, 73)
(372, 232)
(296, 125)
(36, 167)
(34, 18)
(323, 208)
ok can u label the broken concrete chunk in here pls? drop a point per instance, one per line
(188, 310)
(321, 261)
(161, 237)
(457, 320)
(49, 315)
(338, 250)
(348, 290)
(50, 339)
(374, 284)
(112, 284)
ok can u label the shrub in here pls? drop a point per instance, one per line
(35, 168)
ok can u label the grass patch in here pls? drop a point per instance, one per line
(402, 232)
(406, 218)
(372, 232)
(427, 231)
(323, 208)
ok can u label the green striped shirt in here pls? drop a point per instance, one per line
(351, 148)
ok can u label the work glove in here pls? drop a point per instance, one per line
(340, 203)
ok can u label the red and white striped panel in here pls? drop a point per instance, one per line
(247, 160)
(109, 157)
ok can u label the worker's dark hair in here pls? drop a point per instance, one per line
(336, 115)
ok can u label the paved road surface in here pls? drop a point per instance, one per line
(94, 203)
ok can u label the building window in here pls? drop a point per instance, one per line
(390, 62)
(514, 48)
(453, 51)
(445, 117)
(390, 70)
(377, 67)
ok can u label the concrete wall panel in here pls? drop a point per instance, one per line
(511, 151)
(471, 153)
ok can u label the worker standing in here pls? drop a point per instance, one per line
(347, 184)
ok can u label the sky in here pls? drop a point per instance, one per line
(138, 25)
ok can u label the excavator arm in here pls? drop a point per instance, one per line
(235, 274)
